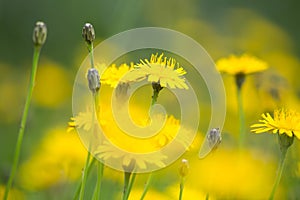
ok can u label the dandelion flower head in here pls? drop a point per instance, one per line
(120, 141)
(245, 64)
(162, 70)
(109, 152)
(284, 121)
(114, 75)
(82, 120)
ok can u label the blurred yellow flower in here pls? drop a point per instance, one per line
(13, 194)
(231, 174)
(53, 86)
(161, 70)
(114, 75)
(107, 151)
(140, 118)
(59, 158)
(122, 142)
(245, 64)
(284, 121)
(82, 120)
(189, 192)
(151, 194)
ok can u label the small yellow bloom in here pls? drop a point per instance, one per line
(284, 121)
(114, 75)
(161, 70)
(245, 64)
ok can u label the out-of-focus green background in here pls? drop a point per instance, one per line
(267, 29)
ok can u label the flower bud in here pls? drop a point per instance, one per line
(39, 34)
(93, 79)
(88, 33)
(214, 138)
(184, 168)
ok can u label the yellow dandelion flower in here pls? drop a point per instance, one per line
(122, 142)
(284, 121)
(114, 75)
(245, 64)
(161, 70)
(221, 175)
(58, 159)
(107, 151)
(82, 120)
(140, 117)
(50, 93)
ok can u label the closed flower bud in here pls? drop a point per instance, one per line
(184, 168)
(214, 138)
(88, 33)
(93, 79)
(39, 34)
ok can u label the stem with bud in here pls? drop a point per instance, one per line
(39, 38)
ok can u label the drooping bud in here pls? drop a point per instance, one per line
(93, 79)
(39, 34)
(184, 168)
(88, 33)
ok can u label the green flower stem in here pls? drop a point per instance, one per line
(92, 55)
(36, 55)
(146, 186)
(279, 173)
(130, 185)
(96, 194)
(241, 118)
(126, 184)
(181, 188)
(84, 176)
(156, 89)
(91, 164)
(154, 97)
